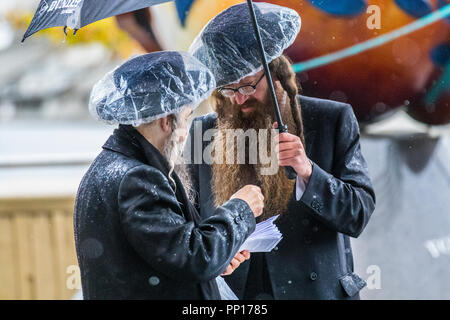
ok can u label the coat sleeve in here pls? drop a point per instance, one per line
(344, 200)
(155, 227)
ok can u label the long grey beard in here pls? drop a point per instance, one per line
(173, 151)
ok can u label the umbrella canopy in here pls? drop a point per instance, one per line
(76, 14)
(149, 87)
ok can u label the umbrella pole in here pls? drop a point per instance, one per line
(282, 127)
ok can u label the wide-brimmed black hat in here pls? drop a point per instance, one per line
(227, 45)
(149, 87)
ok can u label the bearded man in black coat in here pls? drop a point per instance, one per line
(331, 198)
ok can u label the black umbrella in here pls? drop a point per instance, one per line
(79, 13)
(282, 127)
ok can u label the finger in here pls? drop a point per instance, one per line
(260, 210)
(257, 189)
(290, 162)
(240, 257)
(235, 263)
(288, 145)
(285, 136)
(288, 154)
(228, 271)
(246, 254)
(282, 138)
(275, 125)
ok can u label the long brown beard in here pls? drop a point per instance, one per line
(229, 178)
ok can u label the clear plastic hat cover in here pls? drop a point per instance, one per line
(149, 87)
(227, 44)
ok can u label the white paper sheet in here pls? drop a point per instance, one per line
(265, 237)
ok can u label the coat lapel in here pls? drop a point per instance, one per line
(128, 141)
(157, 160)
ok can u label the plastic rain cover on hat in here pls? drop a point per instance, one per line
(149, 87)
(227, 45)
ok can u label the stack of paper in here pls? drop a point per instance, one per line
(265, 237)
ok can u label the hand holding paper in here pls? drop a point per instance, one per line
(265, 237)
(240, 257)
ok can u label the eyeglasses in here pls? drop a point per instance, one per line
(246, 90)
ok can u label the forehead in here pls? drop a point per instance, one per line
(247, 80)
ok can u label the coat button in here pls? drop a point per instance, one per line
(315, 229)
(316, 205)
(305, 222)
(308, 240)
(313, 276)
(154, 281)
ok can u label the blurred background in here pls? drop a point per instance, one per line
(398, 90)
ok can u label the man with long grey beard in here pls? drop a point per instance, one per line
(332, 197)
(137, 235)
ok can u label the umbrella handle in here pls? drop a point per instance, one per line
(290, 172)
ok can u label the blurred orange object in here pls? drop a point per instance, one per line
(375, 81)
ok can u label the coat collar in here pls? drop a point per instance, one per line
(129, 142)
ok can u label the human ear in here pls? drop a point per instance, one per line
(165, 124)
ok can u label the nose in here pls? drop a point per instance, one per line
(240, 98)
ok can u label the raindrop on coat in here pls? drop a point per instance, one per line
(332, 185)
(154, 193)
(92, 248)
(153, 280)
(355, 164)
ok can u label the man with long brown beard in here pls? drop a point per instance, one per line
(332, 197)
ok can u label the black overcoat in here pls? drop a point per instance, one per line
(138, 237)
(314, 259)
